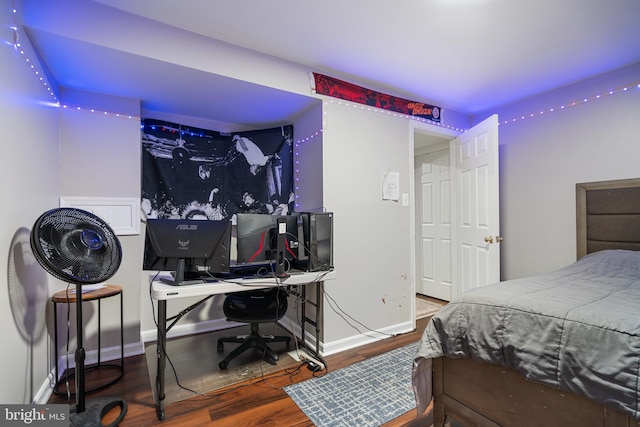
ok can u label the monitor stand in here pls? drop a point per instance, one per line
(182, 279)
(178, 275)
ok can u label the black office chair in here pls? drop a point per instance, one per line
(254, 307)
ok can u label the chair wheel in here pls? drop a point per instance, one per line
(220, 346)
(223, 364)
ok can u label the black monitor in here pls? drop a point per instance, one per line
(257, 242)
(190, 249)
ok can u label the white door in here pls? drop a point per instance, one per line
(477, 223)
(433, 243)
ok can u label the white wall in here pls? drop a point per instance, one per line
(543, 157)
(371, 236)
(100, 157)
(308, 165)
(29, 174)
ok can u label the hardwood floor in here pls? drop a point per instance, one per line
(263, 403)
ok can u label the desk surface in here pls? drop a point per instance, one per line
(163, 291)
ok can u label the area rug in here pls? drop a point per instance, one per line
(426, 308)
(196, 359)
(368, 393)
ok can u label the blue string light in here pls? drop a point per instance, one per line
(571, 104)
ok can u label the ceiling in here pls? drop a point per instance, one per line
(465, 55)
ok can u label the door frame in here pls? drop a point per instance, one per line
(477, 139)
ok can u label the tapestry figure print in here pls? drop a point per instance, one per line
(193, 173)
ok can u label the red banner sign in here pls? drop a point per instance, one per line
(343, 90)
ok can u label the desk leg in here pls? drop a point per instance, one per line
(162, 357)
(319, 312)
(314, 322)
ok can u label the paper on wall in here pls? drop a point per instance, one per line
(391, 186)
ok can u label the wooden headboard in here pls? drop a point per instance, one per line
(608, 215)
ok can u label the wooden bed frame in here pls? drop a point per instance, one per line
(479, 394)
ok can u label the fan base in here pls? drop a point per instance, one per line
(95, 410)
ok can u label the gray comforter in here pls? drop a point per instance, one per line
(575, 329)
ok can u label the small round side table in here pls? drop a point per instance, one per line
(69, 297)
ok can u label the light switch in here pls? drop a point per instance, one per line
(405, 199)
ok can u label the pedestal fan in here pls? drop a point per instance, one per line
(78, 247)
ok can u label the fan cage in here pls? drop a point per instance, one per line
(76, 246)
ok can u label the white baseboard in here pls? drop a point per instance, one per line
(346, 343)
(45, 391)
(365, 338)
(189, 329)
(109, 354)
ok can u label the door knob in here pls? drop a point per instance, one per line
(491, 239)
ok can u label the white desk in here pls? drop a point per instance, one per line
(162, 292)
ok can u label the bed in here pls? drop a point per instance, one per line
(559, 349)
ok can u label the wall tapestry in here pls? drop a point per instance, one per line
(324, 85)
(203, 174)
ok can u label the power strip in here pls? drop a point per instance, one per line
(313, 364)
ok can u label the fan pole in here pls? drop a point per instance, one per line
(90, 415)
(80, 353)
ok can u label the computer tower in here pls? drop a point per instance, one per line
(317, 231)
